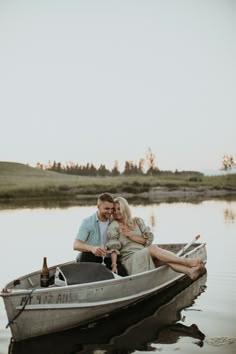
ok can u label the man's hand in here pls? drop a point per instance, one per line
(83, 247)
(98, 251)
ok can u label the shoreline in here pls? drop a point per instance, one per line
(188, 193)
(154, 195)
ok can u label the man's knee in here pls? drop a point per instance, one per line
(88, 257)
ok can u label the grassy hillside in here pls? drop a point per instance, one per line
(19, 170)
(22, 181)
(17, 178)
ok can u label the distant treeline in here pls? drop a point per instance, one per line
(130, 169)
(89, 169)
(145, 167)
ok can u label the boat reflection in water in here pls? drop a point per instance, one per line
(154, 320)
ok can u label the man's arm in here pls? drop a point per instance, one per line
(83, 247)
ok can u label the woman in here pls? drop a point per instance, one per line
(132, 240)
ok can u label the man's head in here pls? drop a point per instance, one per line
(105, 204)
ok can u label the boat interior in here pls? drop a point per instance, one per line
(71, 273)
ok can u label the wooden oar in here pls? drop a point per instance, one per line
(187, 246)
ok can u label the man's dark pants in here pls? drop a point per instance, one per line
(90, 257)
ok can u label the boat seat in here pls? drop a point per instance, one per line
(82, 272)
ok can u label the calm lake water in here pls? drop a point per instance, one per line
(200, 318)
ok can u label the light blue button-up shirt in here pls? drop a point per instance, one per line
(89, 231)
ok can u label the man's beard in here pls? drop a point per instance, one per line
(105, 216)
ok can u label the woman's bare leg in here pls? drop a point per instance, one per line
(192, 272)
(165, 257)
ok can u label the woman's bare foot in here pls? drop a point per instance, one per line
(194, 272)
(202, 265)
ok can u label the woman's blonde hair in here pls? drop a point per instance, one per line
(124, 210)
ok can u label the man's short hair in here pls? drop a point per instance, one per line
(105, 197)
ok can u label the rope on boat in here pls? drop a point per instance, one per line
(10, 347)
(22, 309)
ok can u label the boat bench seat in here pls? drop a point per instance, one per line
(82, 272)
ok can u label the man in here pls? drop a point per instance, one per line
(92, 235)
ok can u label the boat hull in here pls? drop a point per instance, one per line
(42, 311)
(134, 327)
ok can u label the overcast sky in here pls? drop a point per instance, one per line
(102, 80)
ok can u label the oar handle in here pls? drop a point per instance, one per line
(188, 245)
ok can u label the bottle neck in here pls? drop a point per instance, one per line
(45, 262)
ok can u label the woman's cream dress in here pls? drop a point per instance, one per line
(133, 255)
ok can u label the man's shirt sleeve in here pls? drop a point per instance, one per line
(84, 231)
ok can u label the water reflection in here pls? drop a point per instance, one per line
(90, 200)
(152, 220)
(229, 215)
(152, 321)
(45, 203)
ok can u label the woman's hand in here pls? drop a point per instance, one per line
(126, 231)
(114, 267)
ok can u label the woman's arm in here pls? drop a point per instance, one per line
(146, 231)
(114, 262)
(113, 238)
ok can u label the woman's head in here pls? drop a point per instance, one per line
(122, 210)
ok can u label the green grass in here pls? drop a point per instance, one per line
(22, 181)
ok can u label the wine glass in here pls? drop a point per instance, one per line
(103, 257)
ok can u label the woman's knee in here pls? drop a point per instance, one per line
(152, 249)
